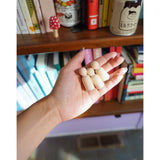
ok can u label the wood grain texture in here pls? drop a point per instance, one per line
(113, 107)
(67, 41)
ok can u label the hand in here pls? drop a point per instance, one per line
(69, 94)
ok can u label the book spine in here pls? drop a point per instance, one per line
(88, 56)
(136, 74)
(18, 29)
(109, 12)
(20, 20)
(105, 13)
(139, 65)
(41, 67)
(134, 97)
(20, 100)
(19, 108)
(25, 72)
(92, 14)
(41, 82)
(39, 16)
(26, 99)
(26, 15)
(100, 13)
(128, 75)
(48, 10)
(26, 87)
(56, 61)
(51, 71)
(33, 15)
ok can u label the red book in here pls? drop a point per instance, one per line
(139, 65)
(118, 50)
(135, 92)
(93, 14)
(109, 94)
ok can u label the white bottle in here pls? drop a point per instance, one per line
(68, 12)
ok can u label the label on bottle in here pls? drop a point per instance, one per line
(125, 16)
(68, 12)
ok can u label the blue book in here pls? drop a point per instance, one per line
(26, 87)
(19, 108)
(31, 63)
(41, 67)
(51, 70)
(28, 76)
(22, 97)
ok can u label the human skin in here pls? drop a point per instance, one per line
(67, 100)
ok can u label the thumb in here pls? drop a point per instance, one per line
(76, 61)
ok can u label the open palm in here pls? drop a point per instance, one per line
(69, 93)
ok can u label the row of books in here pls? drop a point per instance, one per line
(33, 15)
(37, 74)
(131, 86)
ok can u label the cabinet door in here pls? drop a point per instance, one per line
(96, 124)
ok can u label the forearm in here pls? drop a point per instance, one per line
(34, 124)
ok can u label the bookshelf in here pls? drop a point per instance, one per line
(68, 41)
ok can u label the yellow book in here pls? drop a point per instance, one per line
(109, 12)
(105, 13)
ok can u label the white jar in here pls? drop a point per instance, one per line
(125, 16)
(68, 12)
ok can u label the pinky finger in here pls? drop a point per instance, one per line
(113, 81)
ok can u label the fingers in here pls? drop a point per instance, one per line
(112, 63)
(104, 59)
(115, 78)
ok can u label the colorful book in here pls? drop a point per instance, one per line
(88, 56)
(51, 70)
(105, 13)
(109, 11)
(100, 13)
(26, 15)
(28, 76)
(22, 97)
(26, 87)
(125, 54)
(48, 10)
(38, 76)
(134, 97)
(56, 61)
(39, 16)
(19, 108)
(21, 21)
(92, 14)
(41, 67)
(33, 15)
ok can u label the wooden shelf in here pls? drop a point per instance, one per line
(113, 107)
(67, 41)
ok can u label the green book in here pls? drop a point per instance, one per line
(33, 16)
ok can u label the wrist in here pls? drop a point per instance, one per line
(52, 107)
